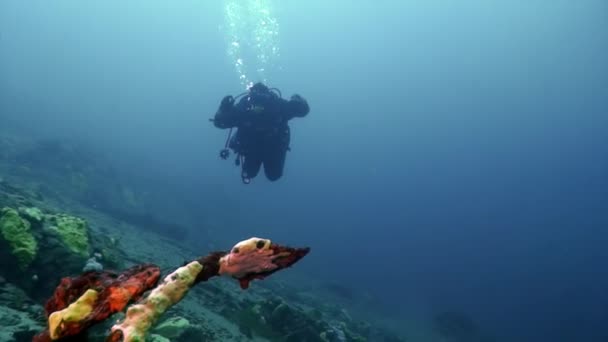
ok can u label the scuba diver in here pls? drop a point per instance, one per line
(263, 135)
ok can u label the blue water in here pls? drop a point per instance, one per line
(455, 156)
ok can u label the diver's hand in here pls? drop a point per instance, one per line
(227, 102)
(298, 107)
(296, 97)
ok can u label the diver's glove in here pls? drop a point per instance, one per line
(297, 98)
(227, 103)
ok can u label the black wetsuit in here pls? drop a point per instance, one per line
(263, 133)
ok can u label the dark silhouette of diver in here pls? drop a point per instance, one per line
(263, 135)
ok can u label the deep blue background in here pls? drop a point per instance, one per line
(457, 152)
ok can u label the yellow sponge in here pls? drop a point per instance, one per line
(76, 312)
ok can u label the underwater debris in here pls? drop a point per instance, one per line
(78, 303)
(257, 258)
(112, 293)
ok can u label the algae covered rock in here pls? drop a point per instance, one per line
(17, 325)
(107, 250)
(157, 338)
(340, 331)
(32, 214)
(44, 246)
(16, 232)
(172, 327)
(64, 248)
(276, 318)
(72, 231)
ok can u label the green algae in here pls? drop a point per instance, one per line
(73, 231)
(17, 233)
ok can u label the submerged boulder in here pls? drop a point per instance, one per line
(45, 246)
(158, 338)
(276, 319)
(172, 328)
(72, 231)
(16, 233)
(32, 214)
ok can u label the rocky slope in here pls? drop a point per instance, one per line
(49, 229)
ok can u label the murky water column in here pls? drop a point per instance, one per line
(252, 32)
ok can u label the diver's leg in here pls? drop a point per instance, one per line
(251, 166)
(274, 162)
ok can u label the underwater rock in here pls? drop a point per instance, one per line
(73, 231)
(338, 331)
(197, 333)
(281, 312)
(24, 335)
(157, 338)
(12, 196)
(107, 250)
(48, 246)
(172, 328)
(276, 319)
(32, 214)
(56, 156)
(252, 322)
(13, 297)
(306, 334)
(92, 265)
(15, 231)
(16, 325)
(146, 221)
(457, 326)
